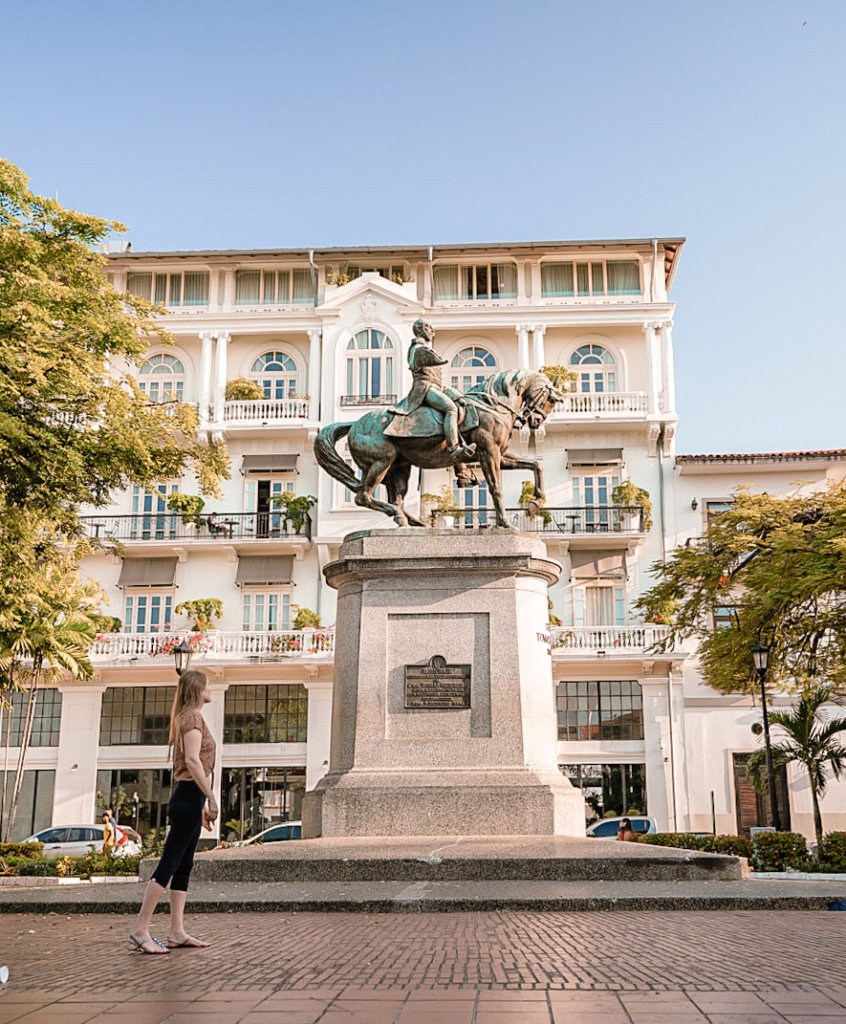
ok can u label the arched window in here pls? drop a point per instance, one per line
(595, 369)
(276, 374)
(162, 379)
(370, 368)
(471, 366)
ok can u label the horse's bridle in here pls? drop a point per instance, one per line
(527, 408)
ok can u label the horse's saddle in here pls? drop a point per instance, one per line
(428, 422)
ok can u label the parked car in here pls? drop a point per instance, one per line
(607, 828)
(275, 834)
(77, 840)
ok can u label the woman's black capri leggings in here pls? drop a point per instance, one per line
(185, 814)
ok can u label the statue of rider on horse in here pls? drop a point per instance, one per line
(434, 427)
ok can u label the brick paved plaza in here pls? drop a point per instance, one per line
(460, 968)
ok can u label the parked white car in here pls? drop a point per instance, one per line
(77, 840)
(607, 828)
(280, 832)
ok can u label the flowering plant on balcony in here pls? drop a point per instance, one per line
(167, 644)
(286, 644)
(319, 643)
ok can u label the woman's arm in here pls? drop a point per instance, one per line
(191, 741)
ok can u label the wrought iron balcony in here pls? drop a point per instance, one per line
(569, 521)
(175, 526)
(270, 645)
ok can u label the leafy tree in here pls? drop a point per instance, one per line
(73, 423)
(810, 738)
(777, 566)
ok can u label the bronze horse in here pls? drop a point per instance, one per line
(495, 407)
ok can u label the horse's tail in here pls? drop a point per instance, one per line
(328, 457)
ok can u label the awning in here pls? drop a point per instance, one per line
(269, 464)
(147, 572)
(592, 565)
(594, 456)
(256, 570)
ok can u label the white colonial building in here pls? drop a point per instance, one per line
(325, 335)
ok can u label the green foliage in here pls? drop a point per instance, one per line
(778, 851)
(306, 619)
(735, 846)
(152, 844)
(109, 624)
(444, 503)
(190, 505)
(242, 389)
(780, 561)
(203, 610)
(808, 736)
(560, 376)
(534, 505)
(832, 852)
(294, 507)
(630, 494)
(26, 851)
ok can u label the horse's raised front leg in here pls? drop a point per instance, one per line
(510, 461)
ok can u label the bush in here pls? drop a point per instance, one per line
(37, 868)
(242, 389)
(778, 851)
(832, 852)
(31, 850)
(734, 846)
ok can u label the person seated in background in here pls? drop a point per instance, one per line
(213, 524)
(625, 833)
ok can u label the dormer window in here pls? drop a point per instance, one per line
(479, 282)
(188, 288)
(598, 277)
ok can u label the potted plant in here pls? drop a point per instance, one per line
(294, 508)
(203, 611)
(443, 507)
(534, 508)
(242, 389)
(561, 376)
(306, 618)
(630, 494)
(189, 505)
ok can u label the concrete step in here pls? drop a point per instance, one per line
(440, 897)
(457, 858)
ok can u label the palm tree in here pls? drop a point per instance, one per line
(810, 739)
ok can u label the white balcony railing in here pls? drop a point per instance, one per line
(265, 410)
(606, 403)
(608, 639)
(308, 644)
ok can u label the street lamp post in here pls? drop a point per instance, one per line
(760, 657)
(182, 656)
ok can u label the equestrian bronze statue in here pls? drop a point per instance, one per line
(438, 428)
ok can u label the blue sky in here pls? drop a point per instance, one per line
(260, 124)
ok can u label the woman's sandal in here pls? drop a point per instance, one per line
(190, 942)
(141, 947)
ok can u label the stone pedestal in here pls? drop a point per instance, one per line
(487, 766)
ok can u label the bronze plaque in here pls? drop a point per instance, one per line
(437, 686)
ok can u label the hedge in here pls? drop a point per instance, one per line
(832, 852)
(72, 867)
(20, 850)
(736, 846)
(779, 851)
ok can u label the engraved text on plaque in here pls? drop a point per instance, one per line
(437, 686)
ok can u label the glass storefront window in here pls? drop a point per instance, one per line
(266, 714)
(35, 804)
(610, 790)
(138, 797)
(252, 799)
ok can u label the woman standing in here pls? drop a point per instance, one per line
(192, 807)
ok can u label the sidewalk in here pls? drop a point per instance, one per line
(619, 967)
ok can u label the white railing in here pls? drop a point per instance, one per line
(265, 410)
(614, 403)
(287, 643)
(610, 639)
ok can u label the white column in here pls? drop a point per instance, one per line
(318, 730)
(220, 375)
(74, 795)
(650, 332)
(314, 353)
(228, 289)
(522, 346)
(538, 357)
(214, 289)
(669, 375)
(213, 713)
(206, 337)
